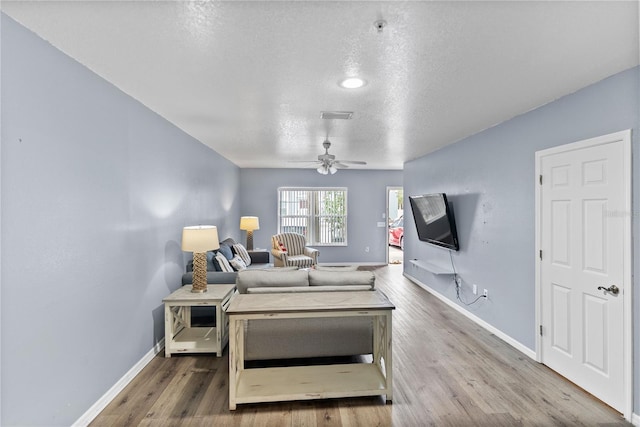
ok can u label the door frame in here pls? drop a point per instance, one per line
(625, 137)
(389, 189)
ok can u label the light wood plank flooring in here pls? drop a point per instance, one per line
(447, 372)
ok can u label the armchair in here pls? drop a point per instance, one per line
(297, 253)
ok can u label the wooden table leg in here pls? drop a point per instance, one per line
(219, 329)
(236, 357)
(388, 354)
(168, 330)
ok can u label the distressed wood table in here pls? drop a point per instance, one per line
(310, 382)
(180, 336)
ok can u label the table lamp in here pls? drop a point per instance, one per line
(249, 223)
(199, 239)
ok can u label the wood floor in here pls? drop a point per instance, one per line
(447, 372)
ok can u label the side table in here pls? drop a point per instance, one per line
(180, 336)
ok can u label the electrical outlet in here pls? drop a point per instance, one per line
(486, 293)
(475, 289)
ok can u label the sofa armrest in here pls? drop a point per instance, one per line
(259, 257)
(311, 252)
(277, 253)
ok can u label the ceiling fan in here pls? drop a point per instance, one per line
(327, 163)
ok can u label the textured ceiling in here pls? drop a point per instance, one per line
(249, 79)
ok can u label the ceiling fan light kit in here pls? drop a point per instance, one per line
(327, 163)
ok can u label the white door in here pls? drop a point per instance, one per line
(583, 203)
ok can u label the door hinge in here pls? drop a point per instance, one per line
(540, 330)
(540, 254)
(540, 179)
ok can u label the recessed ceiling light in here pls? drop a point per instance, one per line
(352, 83)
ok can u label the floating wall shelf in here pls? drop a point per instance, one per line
(432, 268)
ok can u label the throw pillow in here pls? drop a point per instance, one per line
(226, 251)
(237, 263)
(283, 248)
(211, 264)
(242, 251)
(224, 263)
(216, 264)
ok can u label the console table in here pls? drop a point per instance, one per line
(310, 382)
(180, 336)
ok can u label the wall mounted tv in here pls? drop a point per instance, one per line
(434, 220)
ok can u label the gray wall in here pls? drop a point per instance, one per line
(490, 180)
(95, 191)
(366, 204)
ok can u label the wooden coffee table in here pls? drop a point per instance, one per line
(180, 336)
(310, 382)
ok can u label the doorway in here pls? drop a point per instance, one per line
(583, 265)
(395, 225)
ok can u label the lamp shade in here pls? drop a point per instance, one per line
(200, 238)
(249, 223)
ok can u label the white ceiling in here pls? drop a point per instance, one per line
(249, 79)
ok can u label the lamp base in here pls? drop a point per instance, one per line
(249, 240)
(199, 272)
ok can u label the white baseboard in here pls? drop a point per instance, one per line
(102, 403)
(339, 264)
(635, 420)
(504, 337)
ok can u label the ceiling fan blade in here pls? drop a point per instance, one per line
(311, 162)
(340, 165)
(352, 162)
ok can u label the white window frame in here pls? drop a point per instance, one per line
(311, 217)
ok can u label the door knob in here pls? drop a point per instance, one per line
(613, 289)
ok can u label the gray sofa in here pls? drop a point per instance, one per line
(302, 338)
(259, 261)
(206, 316)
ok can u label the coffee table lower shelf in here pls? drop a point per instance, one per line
(309, 382)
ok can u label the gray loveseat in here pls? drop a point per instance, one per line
(301, 338)
(205, 316)
(259, 260)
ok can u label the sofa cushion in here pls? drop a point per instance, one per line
(270, 278)
(228, 241)
(341, 278)
(226, 251)
(242, 252)
(223, 262)
(307, 289)
(301, 261)
(237, 263)
(216, 264)
(336, 267)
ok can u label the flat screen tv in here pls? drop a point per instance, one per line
(434, 220)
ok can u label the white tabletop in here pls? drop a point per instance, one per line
(214, 292)
(317, 301)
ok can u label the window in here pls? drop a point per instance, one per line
(320, 214)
